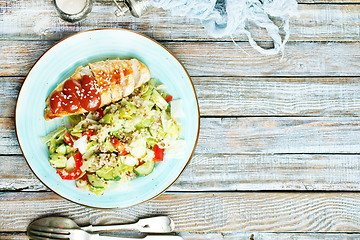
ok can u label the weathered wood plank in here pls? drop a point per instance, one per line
(307, 1)
(279, 135)
(202, 212)
(249, 96)
(267, 236)
(270, 172)
(300, 59)
(8, 140)
(310, 24)
(9, 90)
(254, 135)
(231, 173)
(232, 236)
(220, 58)
(239, 96)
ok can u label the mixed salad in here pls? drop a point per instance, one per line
(118, 142)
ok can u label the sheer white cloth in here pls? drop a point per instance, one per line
(229, 18)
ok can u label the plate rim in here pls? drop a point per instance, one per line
(141, 35)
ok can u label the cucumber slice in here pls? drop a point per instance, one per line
(106, 173)
(52, 145)
(117, 178)
(145, 123)
(145, 168)
(159, 100)
(97, 191)
(118, 170)
(107, 118)
(58, 161)
(95, 181)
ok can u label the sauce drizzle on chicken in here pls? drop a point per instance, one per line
(76, 94)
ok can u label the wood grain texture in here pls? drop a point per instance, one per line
(300, 59)
(309, 24)
(202, 212)
(249, 96)
(9, 90)
(269, 135)
(288, 172)
(8, 138)
(237, 96)
(268, 236)
(290, 123)
(279, 135)
(303, 1)
(220, 58)
(233, 236)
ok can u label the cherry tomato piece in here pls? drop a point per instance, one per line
(56, 100)
(71, 104)
(88, 83)
(90, 100)
(72, 87)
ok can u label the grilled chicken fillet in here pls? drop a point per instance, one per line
(94, 86)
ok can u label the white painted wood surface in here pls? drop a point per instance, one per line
(288, 163)
(203, 212)
(237, 236)
(310, 24)
(221, 59)
(251, 96)
(252, 135)
(235, 172)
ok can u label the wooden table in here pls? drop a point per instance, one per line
(278, 152)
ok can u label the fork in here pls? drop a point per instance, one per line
(48, 233)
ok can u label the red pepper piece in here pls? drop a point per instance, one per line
(119, 146)
(168, 98)
(159, 153)
(88, 133)
(68, 140)
(65, 175)
(78, 160)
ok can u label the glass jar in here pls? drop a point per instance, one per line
(73, 10)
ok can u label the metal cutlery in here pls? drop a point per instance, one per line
(36, 232)
(160, 224)
(65, 228)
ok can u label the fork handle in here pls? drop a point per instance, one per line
(150, 237)
(130, 227)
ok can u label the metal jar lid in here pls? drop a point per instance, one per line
(76, 16)
(137, 8)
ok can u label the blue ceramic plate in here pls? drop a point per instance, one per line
(60, 62)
